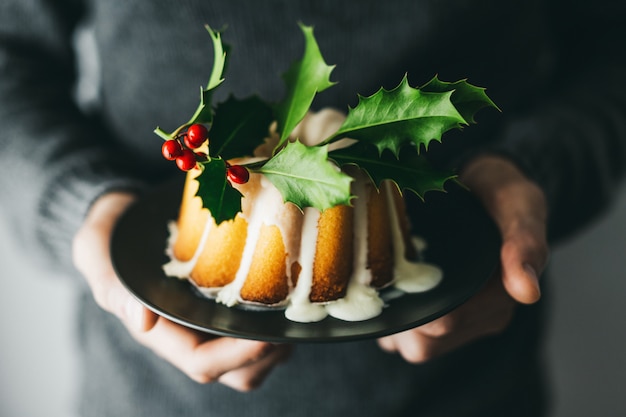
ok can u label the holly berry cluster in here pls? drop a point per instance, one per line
(182, 149)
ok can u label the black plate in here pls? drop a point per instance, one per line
(462, 240)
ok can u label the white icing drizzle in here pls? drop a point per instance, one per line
(300, 308)
(360, 303)
(182, 269)
(265, 202)
(411, 277)
(424, 277)
(305, 312)
(361, 274)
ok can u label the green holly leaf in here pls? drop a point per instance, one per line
(215, 191)
(467, 98)
(204, 112)
(306, 178)
(410, 172)
(304, 79)
(390, 119)
(239, 127)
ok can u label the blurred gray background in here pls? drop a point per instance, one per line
(587, 329)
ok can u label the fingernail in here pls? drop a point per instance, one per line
(532, 273)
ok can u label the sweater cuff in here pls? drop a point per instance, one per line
(518, 144)
(69, 197)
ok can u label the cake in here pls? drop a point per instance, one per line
(312, 263)
(286, 208)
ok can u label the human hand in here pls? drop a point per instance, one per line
(519, 209)
(237, 363)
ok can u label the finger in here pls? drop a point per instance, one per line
(523, 256)
(444, 325)
(488, 312)
(413, 346)
(92, 258)
(252, 376)
(114, 298)
(202, 357)
(524, 251)
(387, 344)
(518, 207)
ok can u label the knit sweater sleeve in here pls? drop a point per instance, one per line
(572, 141)
(55, 162)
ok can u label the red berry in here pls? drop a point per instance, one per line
(187, 160)
(238, 174)
(196, 135)
(171, 149)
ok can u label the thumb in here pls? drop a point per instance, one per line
(518, 206)
(522, 259)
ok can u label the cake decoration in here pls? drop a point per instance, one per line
(390, 128)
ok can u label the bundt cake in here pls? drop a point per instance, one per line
(313, 263)
(304, 211)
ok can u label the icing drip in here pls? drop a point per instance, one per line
(411, 277)
(300, 308)
(361, 273)
(180, 269)
(361, 301)
(265, 203)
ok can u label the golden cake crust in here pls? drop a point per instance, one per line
(379, 240)
(332, 270)
(191, 220)
(267, 281)
(220, 258)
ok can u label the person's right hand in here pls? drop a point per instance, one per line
(238, 363)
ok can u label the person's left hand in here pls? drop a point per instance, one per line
(518, 206)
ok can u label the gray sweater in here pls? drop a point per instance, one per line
(554, 68)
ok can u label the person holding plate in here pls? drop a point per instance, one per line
(543, 168)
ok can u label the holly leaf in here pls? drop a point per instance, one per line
(306, 178)
(204, 112)
(304, 79)
(216, 192)
(239, 127)
(467, 98)
(410, 172)
(390, 119)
